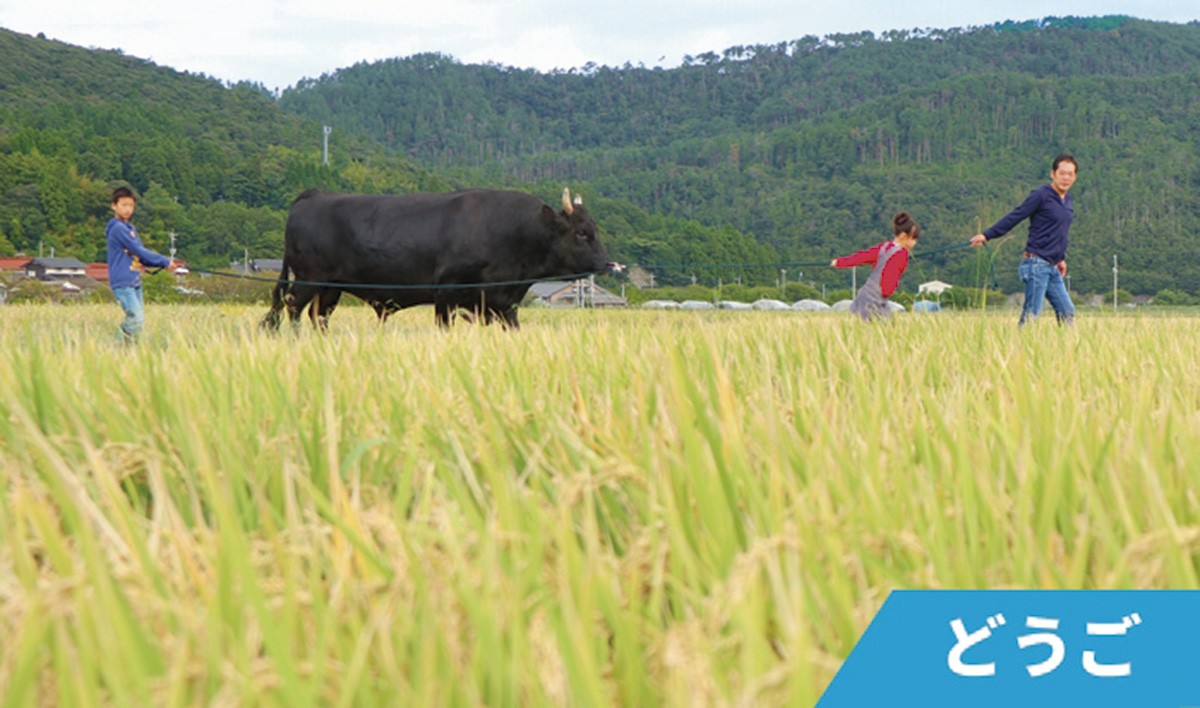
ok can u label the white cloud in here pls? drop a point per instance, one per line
(279, 42)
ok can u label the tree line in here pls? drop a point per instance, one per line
(810, 146)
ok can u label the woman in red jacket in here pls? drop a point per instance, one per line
(890, 259)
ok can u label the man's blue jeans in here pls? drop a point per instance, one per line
(1044, 282)
(135, 311)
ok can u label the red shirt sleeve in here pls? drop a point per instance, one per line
(861, 258)
(890, 278)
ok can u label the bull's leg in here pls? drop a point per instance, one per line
(283, 285)
(297, 300)
(473, 314)
(270, 321)
(508, 318)
(381, 310)
(441, 313)
(322, 308)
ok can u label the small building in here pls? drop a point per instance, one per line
(560, 293)
(258, 265)
(55, 268)
(97, 272)
(936, 287)
(14, 264)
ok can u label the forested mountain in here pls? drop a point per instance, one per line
(811, 145)
(779, 154)
(215, 164)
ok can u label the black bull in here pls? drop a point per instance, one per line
(399, 251)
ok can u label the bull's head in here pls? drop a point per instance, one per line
(576, 243)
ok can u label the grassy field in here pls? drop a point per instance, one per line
(629, 508)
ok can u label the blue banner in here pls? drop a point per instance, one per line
(1026, 648)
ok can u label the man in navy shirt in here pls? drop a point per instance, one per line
(127, 258)
(1049, 209)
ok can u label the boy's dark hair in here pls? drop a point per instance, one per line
(1064, 158)
(121, 192)
(904, 224)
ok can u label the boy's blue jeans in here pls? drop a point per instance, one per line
(135, 311)
(1044, 282)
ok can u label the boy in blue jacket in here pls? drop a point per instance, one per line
(127, 258)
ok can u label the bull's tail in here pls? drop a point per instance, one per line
(271, 320)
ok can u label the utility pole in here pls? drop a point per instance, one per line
(325, 150)
(172, 235)
(782, 283)
(1114, 282)
(853, 282)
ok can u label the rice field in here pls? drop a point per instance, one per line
(606, 508)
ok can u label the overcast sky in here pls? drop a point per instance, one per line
(279, 42)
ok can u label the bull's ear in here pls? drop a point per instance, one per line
(549, 217)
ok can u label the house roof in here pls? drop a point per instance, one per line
(97, 271)
(14, 262)
(59, 263)
(547, 288)
(597, 295)
(934, 286)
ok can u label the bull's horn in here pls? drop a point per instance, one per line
(578, 200)
(567, 200)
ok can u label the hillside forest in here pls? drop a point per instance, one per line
(727, 168)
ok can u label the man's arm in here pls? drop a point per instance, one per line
(1009, 220)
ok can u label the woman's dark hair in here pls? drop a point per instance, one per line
(904, 224)
(121, 192)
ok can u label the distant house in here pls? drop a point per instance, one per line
(272, 264)
(936, 287)
(97, 272)
(14, 264)
(258, 265)
(55, 268)
(560, 293)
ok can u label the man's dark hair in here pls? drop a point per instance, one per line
(1064, 158)
(121, 192)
